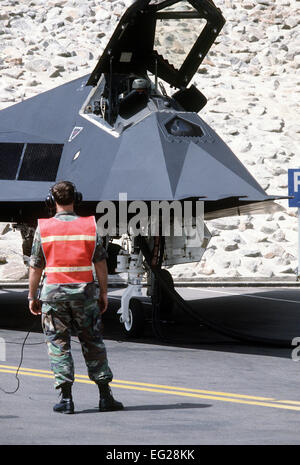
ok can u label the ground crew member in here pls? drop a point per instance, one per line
(65, 246)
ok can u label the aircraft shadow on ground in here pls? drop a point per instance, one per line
(272, 314)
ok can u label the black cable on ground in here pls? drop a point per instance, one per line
(21, 361)
(141, 241)
(23, 344)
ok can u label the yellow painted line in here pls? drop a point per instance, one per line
(229, 394)
(296, 402)
(135, 383)
(27, 373)
(177, 393)
(25, 369)
(118, 384)
(223, 399)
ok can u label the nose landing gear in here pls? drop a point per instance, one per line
(133, 326)
(132, 310)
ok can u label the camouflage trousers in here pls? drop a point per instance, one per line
(59, 321)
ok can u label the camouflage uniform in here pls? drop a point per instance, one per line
(69, 308)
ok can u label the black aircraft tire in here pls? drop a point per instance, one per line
(166, 302)
(135, 327)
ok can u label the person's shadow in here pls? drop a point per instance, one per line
(135, 408)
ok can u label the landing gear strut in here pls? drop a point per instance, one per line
(132, 311)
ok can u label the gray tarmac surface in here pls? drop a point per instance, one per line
(213, 391)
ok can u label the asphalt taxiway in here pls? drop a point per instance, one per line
(205, 388)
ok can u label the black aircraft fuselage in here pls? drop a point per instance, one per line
(118, 131)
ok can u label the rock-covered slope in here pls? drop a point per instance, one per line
(251, 79)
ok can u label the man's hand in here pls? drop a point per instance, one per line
(35, 307)
(101, 273)
(34, 279)
(103, 303)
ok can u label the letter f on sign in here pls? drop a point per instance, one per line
(296, 180)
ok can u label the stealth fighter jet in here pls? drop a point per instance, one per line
(118, 130)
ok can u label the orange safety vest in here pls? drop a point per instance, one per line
(68, 247)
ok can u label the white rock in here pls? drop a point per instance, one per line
(13, 271)
(53, 13)
(226, 224)
(273, 251)
(238, 239)
(250, 264)
(208, 271)
(102, 14)
(22, 24)
(271, 125)
(268, 229)
(265, 272)
(292, 21)
(246, 147)
(245, 225)
(4, 228)
(32, 83)
(38, 65)
(279, 236)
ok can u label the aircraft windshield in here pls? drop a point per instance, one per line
(174, 38)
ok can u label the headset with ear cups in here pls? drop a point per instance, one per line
(50, 200)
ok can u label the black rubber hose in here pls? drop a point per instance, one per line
(142, 243)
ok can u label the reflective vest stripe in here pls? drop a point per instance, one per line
(67, 269)
(73, 237)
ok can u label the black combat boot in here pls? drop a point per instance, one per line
(107, 403)
(66, 404)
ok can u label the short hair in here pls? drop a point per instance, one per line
(63, 192)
